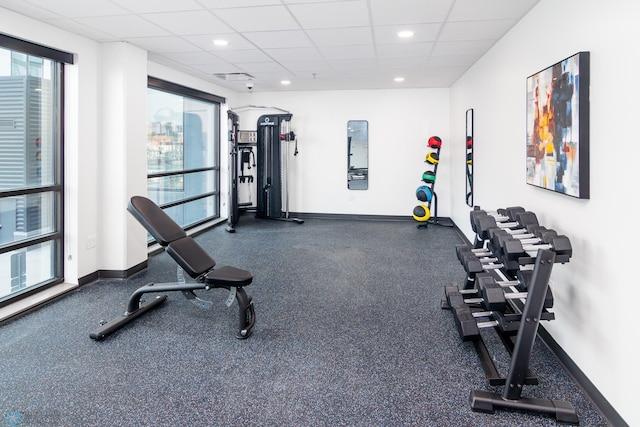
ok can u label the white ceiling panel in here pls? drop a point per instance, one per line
(308, 66)
(348, 52)
(462, 47)
(294, 54)
(341, 36)
(124, 26)
(473, 30)
(243, 56)
(163, 44)
(81, 29)
(205, 41)
(279, 39)
(189, 22)
(473, 10)
(78, 8)
(153, 6)
(331, 14)
(385, 34)
(28, 9)
(194, 58)
(385, 12)
(227, 4)
(263, 18)
(318, 44)
(404, 50)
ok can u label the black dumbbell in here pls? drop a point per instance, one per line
(514, 249)
(529, 236)
(510, 212)
(501, 215)
(484, 223)
(495, 296)
(464, 250)
(472, 264)
(489, 294)
(469, 323)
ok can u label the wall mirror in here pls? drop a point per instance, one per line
(469, 156)
(357, 154)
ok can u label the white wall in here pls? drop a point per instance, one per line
(81, 139)
(400, 123)
(595, 313)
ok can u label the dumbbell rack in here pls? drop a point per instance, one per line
(531, 312)
(433, 158)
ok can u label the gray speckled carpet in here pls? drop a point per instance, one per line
(349, 333)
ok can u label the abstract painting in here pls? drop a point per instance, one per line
(558, 127)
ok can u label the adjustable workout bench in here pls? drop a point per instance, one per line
(191, 258)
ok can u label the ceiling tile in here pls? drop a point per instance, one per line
(152, 6)
(332, 14)
(217, 67)
(385, 34)
(205, 41)
(474, 30)
(80, 8)
(263, 67)
(385, 12)
(341, 36)
(264, 18)
(162, 44)
(452, 60)
(242, 56)
(354, 64)
(279, 39)
(193, 58)
(188, 23)
(306, 66)
(472, 10)
(347, 52)
(404, 50)
(294, 54)
(227, 4)
(462, 47)
(82, 30)
(28, 9)
(407, 61)
(124, 26)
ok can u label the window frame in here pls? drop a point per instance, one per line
(57, 188)
(187, 92)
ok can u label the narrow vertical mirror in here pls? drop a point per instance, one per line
(469, 156)
(357, 154)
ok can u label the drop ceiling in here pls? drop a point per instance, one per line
(312, 44)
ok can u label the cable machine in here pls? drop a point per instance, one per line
(234, 211)
(272, 139)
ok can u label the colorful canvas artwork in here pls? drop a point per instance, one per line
(558, 127)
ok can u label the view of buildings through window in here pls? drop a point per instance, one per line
(182, 156)
(30, 176)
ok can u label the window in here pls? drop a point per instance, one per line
(31, 79)
(183, 170)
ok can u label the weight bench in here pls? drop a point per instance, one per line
(191, 258)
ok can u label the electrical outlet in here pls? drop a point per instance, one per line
(92, 241)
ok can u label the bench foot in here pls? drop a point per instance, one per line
(113, 325)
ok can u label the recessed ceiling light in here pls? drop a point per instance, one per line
(405, 34)
(398, 79)
(285, 82)
(220, 42)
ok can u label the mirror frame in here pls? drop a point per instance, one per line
(358, 176)
(469, 157)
